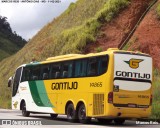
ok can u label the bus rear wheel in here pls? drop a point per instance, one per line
(82, 115)
(119, 121)
(24, 111)
(53, 116)
(71, 113)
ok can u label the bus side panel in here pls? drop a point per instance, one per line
(83, 92)
(92, 91)
(26, 95)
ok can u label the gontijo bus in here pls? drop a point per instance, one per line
(111, 85)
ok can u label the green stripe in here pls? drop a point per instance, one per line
(35, 93)
(39, 94)
(43, 94)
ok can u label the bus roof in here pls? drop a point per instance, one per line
(78, 56)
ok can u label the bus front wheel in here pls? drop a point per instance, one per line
(71, 113)
(119, 121)
(82, 115)
(24, 111)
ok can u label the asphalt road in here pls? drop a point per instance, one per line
(15, 118)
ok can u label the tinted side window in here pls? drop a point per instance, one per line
(45, 72)
(16, 82)
(68, 68)
(26, 74)
(92, 69)
(55, 71)
(80, 68)
(103, 64)
(35, 73)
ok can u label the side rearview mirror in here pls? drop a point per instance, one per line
(10, 81)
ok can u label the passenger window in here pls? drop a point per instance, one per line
(80, 68)
(26, 74)
(67, 71)
(35, 73)
(45, 72)
(55, 71)
(103, 64)
(92, 67)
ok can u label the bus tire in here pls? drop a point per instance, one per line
(119, 121)
(104, 121)
(53, 116)
(71, 113)
(25, 113)
(82, 115)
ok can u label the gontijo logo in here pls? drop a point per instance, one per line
(134, 63)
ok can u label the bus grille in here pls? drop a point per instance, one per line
(98, 104)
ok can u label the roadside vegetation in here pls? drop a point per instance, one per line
(75, 39)
(156, 95)
(158, 11)
(130, 43)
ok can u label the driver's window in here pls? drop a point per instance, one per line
(16, 80)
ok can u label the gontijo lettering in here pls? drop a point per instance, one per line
(64, 86)
(133, 75)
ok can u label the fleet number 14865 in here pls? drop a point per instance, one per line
(96, 84)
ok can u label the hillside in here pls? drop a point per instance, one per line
(114, 33)
(10, 42)
(146, 37)
(86, 26)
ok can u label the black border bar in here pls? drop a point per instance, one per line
(132, 79)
